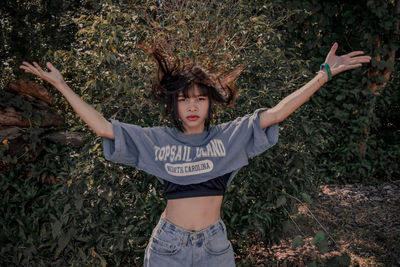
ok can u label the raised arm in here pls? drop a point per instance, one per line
(87, 113)
(293, 101)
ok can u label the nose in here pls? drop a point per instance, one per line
(192, 104)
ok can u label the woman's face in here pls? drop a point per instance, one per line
(193, 110)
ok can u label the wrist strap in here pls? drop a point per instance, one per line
(328, 70)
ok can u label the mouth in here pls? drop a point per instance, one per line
(192, 118)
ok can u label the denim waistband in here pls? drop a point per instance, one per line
(192, 235)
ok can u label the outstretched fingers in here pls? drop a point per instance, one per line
(38, 67)
(357, 57)
(360, 59)
(25, 66)
(33, 68)
(349, 63)
(345, 62)
(29, 68)
(353, 66)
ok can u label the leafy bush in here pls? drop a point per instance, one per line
(362, 150)
(103, 213)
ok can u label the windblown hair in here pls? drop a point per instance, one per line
(174, 76)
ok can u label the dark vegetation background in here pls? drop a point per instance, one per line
(99, 213)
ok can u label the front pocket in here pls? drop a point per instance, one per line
(165, 244)
(218, 245)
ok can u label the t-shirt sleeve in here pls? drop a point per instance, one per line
(246, 132)
(123, 149)
(261, 139)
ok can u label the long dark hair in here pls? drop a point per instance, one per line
(174, 76)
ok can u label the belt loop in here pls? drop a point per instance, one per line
(185, 239)
(223, 225)
(206, 237)
(162, 224)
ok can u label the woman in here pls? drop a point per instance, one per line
(194, 161)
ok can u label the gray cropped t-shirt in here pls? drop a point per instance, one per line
(183, 159)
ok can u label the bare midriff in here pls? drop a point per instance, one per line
(195, 213)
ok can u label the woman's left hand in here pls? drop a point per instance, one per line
(342, 63)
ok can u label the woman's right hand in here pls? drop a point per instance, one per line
(53, 77)
(88, 114)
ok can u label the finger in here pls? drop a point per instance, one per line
(50, 66)
(355, 53)
(26, 65)
(29, 68)
(364, 59)
(26, 69)
(22, 66)
(333, 49)
(38, 67)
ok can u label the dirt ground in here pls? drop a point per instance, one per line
(360, 225)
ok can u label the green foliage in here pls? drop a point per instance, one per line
(354, 153)
(31, 28)
(321, 242)
(103, 213)
(297, 241)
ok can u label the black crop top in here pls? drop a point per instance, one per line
(212, 187)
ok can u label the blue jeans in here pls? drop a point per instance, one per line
(173, 246)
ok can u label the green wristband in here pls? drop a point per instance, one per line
(328, 70)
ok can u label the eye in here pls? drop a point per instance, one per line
(202, 98)
(181, 99)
